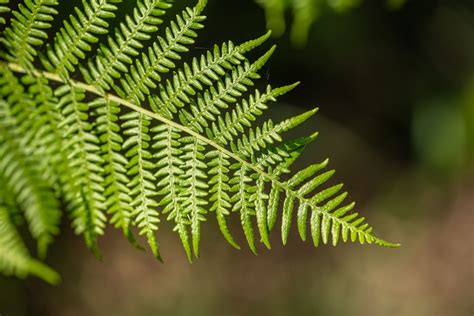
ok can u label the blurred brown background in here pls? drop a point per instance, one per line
(396, 97)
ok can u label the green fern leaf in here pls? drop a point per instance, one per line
(85, 164)
(261, 137)
(76, 36)
(143, 182)
(116, 193)
(220, 192)
(234, 123)
(28, 30)
(22, 175)
(47, 136)
(209, 105)
(193, 187)
(200, 148)
(161, 54)
(242, 188)
(167, 143)
(112, 59)
(202, 72)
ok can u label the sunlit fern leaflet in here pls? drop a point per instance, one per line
(116, 128)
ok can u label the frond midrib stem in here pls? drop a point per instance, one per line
(54, 77)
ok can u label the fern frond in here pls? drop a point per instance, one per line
(75, 38)
(276, 160)
(85, 164)
(159, 59)
(14, 257)
(143, 182)
(114, 58)
(200, 148)
(28, 30)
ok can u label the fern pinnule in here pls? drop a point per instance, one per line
(3, 10)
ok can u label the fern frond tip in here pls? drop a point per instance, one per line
(200, 6)
(44, 272)
(251, 44)
(285, 89)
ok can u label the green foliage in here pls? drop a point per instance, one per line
(14, 257)
(305, 14)
(28, 29)
(77, 35)
(181, 145)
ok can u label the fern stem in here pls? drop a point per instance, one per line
(277, 182)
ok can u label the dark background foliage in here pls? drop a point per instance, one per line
(396, 97)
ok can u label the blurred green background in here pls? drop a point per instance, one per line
(396, 97)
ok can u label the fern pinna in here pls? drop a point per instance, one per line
(111, 126)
